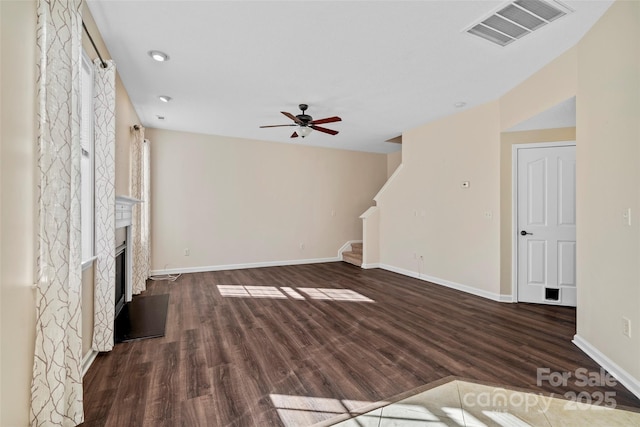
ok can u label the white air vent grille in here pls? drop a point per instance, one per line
(516, 20)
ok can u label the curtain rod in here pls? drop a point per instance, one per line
(104, 64)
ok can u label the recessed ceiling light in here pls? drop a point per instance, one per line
(158, 56)
(459, 104)
(164, 98)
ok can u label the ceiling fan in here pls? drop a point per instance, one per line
(306, 123)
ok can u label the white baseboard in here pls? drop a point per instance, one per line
(399, 270)
(449, 284)
(368, 266)
(626, 379)
(87, 360)
(507, 298)
(203, 269)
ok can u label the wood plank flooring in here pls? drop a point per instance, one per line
(293, 361)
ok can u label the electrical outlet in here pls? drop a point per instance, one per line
(301, 245)
(626, 327)
(488, 215)
(187, 252)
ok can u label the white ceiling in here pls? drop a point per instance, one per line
(559, 116)
(383, 66)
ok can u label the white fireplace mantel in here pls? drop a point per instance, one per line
(124, 210)
(124, 216)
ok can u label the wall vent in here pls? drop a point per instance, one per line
(516, 20)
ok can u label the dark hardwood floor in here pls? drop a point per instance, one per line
(265, 361)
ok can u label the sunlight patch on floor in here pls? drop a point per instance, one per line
(293, 294)
(335, 294)
(285, 292)
(296, 411)
(250, 291)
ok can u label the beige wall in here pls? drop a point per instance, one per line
(554, 83)
(18, 62)
(508, 140)
(425, 212)
(608, 171)
(18, 202)
(238, 201)
(393, 161)
(474, 138)
(87, 310)
(603, 72)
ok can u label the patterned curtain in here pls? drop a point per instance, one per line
(105, 201)
(140, 189)
(56, 388)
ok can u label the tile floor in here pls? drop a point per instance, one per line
(460, 403)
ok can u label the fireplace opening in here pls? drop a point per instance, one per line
(121, 277)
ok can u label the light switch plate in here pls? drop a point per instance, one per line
(626, 217)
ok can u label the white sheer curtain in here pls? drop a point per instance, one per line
(140, 189)
(105, 201)
(56, 387)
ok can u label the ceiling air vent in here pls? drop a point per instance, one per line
(516, 20)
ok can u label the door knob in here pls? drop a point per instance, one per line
(524, 233)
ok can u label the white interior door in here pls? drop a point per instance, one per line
(546, 225)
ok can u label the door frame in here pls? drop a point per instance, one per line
(514, 204)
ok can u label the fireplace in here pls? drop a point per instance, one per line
(121, 277)
(143, 316)
(124, 261)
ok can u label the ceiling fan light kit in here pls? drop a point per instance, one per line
(306, 124)
(304, 131)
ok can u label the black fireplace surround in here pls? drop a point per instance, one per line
(121, 277)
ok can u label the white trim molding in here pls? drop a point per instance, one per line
(124, 219)
(203, 269)
(346, 246)
(368, 212)
(389, 181)
(625, 378)
(399, 270)
(124, 210)
(89, 263)
(370, 266)
(449, 284)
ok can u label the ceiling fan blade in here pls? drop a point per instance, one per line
(294, 135)
(275, 126)
(327, 120)
(292, 117)
(325, 130)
